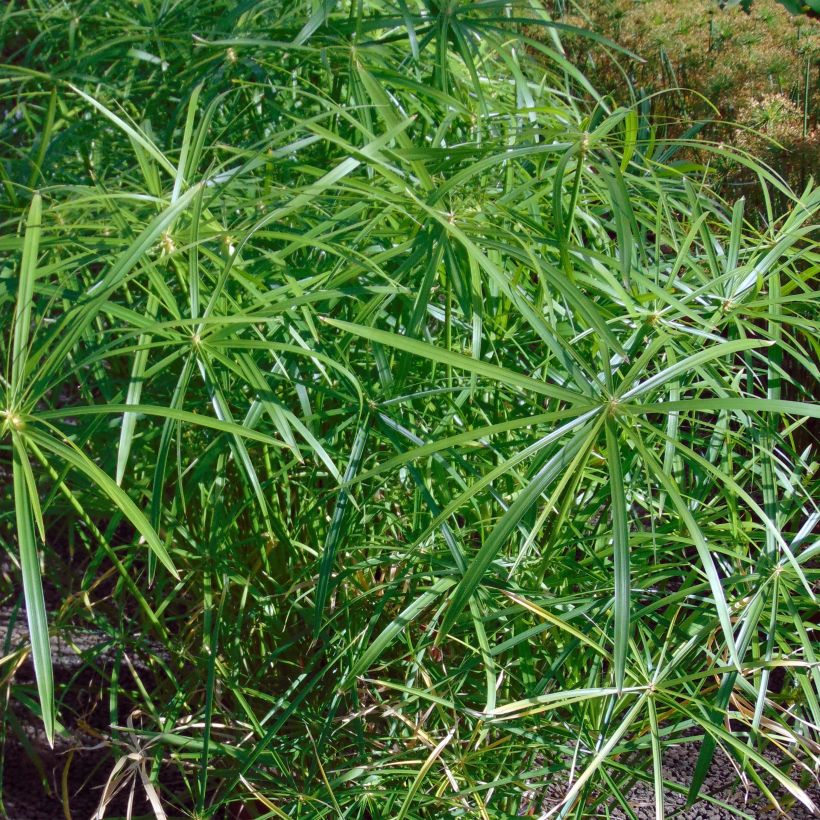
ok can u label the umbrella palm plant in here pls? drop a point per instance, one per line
(451, 436)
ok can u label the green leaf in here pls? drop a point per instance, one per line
(690, 363)
(69, 453)
(135, 133)
(172, 413)
(620, 552)
(129, 420)
(554, 700)
(33, 587)
(335, 532)
(452, 359)
(25, 295)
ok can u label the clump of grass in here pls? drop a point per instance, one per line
(414, 427)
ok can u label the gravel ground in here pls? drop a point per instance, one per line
(740, 797)
(722, 783)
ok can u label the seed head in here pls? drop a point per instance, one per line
(166, 243)
(12, 420)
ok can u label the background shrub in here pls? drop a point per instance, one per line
(403, 423)
(756, 68)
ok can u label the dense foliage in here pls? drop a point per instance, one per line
(414, 426)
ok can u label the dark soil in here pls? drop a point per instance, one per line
(29, 794)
